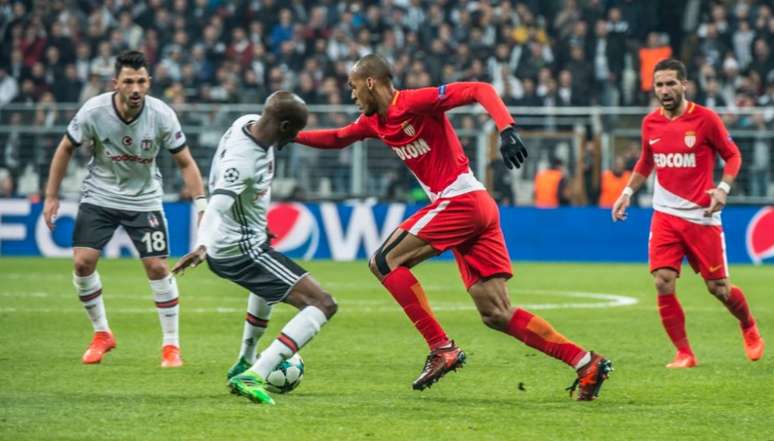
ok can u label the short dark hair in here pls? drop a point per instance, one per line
(672, 64)
(133, 59)
(373, 65)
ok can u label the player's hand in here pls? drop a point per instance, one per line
(50, 210)
(512, 148)
(190, 260)
(717, 201)
(619, 208)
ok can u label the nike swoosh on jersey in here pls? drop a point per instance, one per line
(653, 141)
(712, 269)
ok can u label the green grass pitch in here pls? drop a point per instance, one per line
(360, 367)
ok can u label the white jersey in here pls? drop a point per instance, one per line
(122, 172)
(242, 168)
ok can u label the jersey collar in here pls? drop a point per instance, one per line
(690, 106)
(118, 114)
(246, 131)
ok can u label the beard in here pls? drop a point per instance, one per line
(672, 103)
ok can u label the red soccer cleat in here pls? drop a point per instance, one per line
(683, 360)
(591, 376)
(438, 363)
(753, 343)
(101, 343)
(170, 357)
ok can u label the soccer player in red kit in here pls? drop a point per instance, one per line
(680, 140)
(461, 217)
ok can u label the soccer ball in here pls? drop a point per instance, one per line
(286, 376)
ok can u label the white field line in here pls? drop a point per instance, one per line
(602, 300)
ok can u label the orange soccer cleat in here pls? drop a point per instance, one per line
(170, 357)
(438, 363)
(591, 376)
(683, 360)
(753, 343)
(101, 343)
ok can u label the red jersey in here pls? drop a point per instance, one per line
(683, 152)
(418, 131)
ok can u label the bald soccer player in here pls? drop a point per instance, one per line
(462, 216)
(232, 238)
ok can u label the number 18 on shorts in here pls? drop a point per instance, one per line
(94, 226)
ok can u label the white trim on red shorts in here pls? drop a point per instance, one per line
(424, 220)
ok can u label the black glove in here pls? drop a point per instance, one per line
(512, 148)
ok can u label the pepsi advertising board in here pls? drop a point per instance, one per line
(349, 231)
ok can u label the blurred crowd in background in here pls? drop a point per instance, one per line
(545, 53)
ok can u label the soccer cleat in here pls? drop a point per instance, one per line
(240, 366)
(438, 363)
(249, 384)
(101, 343)
(170, 357)
(753, 343)
(590, 377)
(683, 360)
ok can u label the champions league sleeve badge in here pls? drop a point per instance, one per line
(231, 175)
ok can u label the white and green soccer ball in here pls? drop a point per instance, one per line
(286, 376)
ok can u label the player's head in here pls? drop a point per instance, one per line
(131, 79)
(669, 83)
(368, 74)
(285, 114)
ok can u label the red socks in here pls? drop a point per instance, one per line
(673, 319)
(737, 304)
(405, 288)
(539, 334)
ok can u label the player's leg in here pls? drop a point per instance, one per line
(315, 307)
(256, 322)
(94, 226)
(148, 231)
(277, 278)
(707, 249)
(666, 250)
(673, 318)
(167, 299)
(491, 299)
(391, 265)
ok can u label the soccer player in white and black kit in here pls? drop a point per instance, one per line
(233, 239)
(125, 130)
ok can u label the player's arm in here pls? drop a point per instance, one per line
(220, 203)
(235, 172)
(721, 140)
(335, 138)
(448, 96)
(642, 170)
(57, 170)
(192, 178)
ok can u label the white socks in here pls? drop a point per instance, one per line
(89, 290)
(296, 333)
(256, 321)
(166, 297)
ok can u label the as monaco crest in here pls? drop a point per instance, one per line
(408, 129)
(690, 139)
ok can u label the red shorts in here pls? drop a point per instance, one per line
(672, 238)
(469, 225)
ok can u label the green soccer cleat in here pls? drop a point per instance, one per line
(240, 366)
(250, 385)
